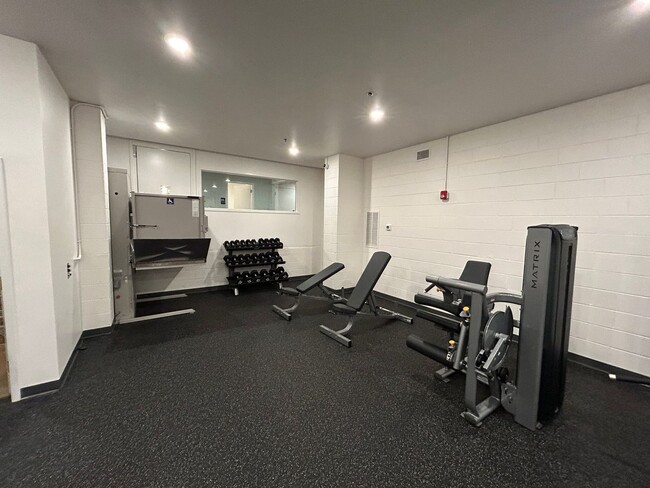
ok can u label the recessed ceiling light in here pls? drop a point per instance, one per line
(205, 191)
(214, 186)
(377, 114)
(162, 125)
(179, 45)
(227, 180)
(640, 6)
(294, 151)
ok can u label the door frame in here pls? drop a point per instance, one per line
(133, 163)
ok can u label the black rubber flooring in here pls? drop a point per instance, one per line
(235, 396)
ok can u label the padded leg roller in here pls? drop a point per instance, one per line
(432, 351)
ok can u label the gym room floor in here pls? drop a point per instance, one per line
(235, 396)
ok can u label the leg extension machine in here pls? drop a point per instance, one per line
(536, 394)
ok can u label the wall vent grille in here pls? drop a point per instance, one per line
(372, 226)
(424, 154)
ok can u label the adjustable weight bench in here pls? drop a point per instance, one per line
(313, 282)
(361, 296)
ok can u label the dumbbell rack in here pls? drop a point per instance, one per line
(255, 246)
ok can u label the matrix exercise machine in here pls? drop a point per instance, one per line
(536, 392)
(303, 288)
(363, 296)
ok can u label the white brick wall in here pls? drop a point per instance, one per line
(585, 164)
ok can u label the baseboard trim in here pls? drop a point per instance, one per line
(602, 367)
(52, 386)
(398, 301)
(101, 331)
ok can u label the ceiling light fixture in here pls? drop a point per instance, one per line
(214, 186)
(293, 150)
(377, 114)
(179, 45)
(162, 126)
(640, 6)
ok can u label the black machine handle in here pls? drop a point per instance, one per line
(459, 285)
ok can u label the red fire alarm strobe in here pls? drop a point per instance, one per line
(444, 195)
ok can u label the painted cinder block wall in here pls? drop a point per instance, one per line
(586, 164)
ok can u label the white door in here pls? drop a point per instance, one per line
(163, 171)
(240, 195)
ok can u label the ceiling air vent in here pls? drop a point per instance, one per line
(372, 224)
(424, 154)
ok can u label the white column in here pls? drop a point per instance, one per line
(343, 219)
(92, 194)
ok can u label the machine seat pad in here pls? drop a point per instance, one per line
(447, 322)
(344, 309)
(319, 277)
(290, 291)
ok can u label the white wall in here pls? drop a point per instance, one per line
(301, 231)
(586, 164)
(57, 151)
(41, 323)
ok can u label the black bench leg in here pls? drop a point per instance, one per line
(285, 313)
(339, 335)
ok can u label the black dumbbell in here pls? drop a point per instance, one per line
(226, 244)
(254, 257)
(255, 276)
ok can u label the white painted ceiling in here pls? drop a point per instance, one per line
(268, 69)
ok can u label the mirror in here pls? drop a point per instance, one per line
(244, 192)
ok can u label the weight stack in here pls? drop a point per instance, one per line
(549, 270)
